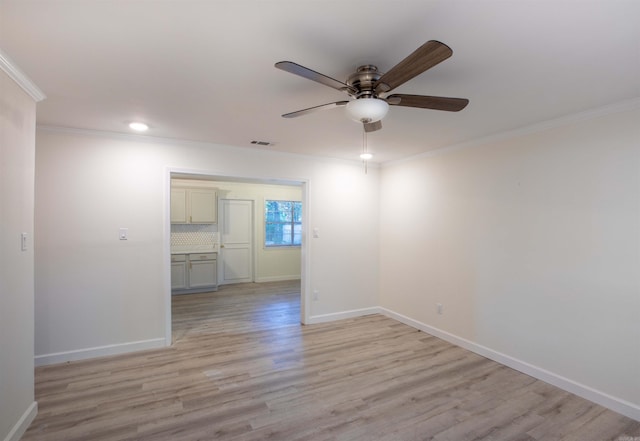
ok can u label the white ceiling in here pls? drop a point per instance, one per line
(203, 70)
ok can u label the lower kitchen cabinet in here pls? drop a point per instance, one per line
(195, 272)
(178, 271)
(202, 270)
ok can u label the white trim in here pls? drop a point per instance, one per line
(277, 278)
(10, 68)
(305, 258)
(616, 404)
(622, 106)
(23, 423)
(166, 249)
(100, 351)
(324, 318)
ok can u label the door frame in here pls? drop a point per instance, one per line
(305, 260)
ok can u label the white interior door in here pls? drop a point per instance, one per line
(236, 241)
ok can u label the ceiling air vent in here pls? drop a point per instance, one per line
(261, 142)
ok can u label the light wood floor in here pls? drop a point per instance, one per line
(242, 368)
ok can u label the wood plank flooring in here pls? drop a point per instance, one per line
(242, 368)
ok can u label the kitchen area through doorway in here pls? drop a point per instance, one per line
(222, 233)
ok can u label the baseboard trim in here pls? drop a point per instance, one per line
(324, 318)
(101, 351)
(277, 278)
(623, 407)
(23, 423)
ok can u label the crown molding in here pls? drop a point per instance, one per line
(621, 106)
(10, 68)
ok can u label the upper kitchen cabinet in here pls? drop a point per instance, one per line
(193, 206)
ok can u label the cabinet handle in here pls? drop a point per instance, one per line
(189, 265)
(190, 219)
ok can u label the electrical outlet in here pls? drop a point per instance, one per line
(439, 308)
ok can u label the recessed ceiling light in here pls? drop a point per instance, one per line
(138, 126)
(366, 156)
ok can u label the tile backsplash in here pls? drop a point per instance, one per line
(196, 236)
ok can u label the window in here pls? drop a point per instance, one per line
(282, 223)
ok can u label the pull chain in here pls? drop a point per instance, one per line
(364, 149)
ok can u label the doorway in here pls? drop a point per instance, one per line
(257, 269)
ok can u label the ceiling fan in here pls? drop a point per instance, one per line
(370, 88)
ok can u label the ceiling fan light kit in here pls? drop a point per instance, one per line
(367, 110)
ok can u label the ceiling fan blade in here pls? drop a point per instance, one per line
(372, 126)
(304, 72)
(422, 59)
(315, 109)
(428, 102)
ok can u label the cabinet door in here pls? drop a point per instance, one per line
(179, 275)
(202, 273)
(178, 206)
(203, 206)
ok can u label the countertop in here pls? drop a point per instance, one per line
(193, 250)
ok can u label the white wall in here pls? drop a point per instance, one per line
(95, 293)
(532, 245)
(17, 159)
(280, 263)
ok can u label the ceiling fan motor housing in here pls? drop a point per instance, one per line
(362, 82)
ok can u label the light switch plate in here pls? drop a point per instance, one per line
(23, 241)
(123, 233)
